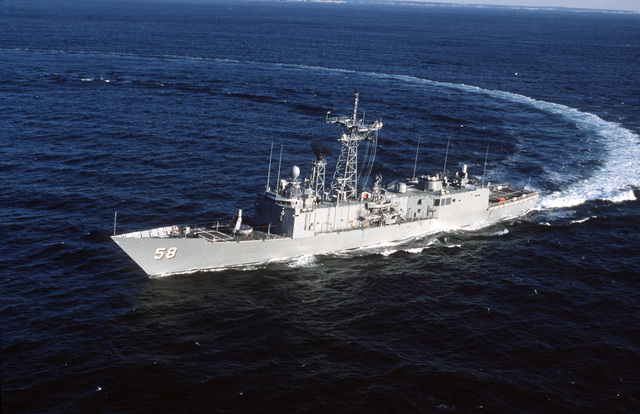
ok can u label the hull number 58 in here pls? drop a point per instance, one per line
(164, 253)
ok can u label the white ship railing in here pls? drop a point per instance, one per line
(175, 230)
(152, 233)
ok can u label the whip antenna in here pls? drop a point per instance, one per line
(415, 163)
(279, 164)
(269, 173)
(485, 164)
(446, 155)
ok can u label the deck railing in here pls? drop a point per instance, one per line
(177, 230)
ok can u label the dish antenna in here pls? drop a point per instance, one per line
(320, 149)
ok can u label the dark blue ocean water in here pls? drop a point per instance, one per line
(165, 112)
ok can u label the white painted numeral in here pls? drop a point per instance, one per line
(171, 253)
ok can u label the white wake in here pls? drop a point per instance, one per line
(613, 181)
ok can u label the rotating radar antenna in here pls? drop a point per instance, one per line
(320, 150)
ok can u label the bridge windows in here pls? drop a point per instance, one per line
(442, 202)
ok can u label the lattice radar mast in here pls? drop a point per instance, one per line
(344, 185)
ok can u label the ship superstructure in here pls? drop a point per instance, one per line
(304, 216)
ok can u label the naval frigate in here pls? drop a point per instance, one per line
(296, 217)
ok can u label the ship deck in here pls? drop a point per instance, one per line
(502, 194)
(216, 236)
(214, 233)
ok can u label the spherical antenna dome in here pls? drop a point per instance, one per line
(295, 172)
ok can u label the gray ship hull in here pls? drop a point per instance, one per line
(297, 217)
(160, 256)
